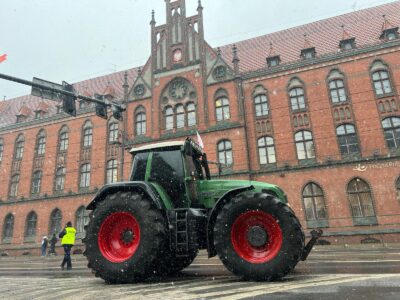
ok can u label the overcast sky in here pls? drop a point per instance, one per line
(75, 40)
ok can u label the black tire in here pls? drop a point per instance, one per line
(153, 237)
(291, 237)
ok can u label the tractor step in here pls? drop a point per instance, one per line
(315, 235)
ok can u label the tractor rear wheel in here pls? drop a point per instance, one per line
(124, 238)
(258, 237)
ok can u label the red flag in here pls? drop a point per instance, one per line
(199, 140)
(3, 57)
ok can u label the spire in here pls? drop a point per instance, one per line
(218, 51)
(307, 44)
(139, 71)
(125, 86)
(271, 52)
(235, 59)
(386, 24)
(345, 34)
(153, 20)
(199, 7)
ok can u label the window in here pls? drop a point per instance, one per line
(222, 109)
(314, 203)
(169, 118)
(273, 61)
(191, 114)
(140, 121)
(85, 176)
(55, 222)
(1, 149)
(347, 137)
(82, 219)
(225, 156)
(391, 129)
(381, 82)
(180, 116)
(63, 142)
(60, 179)
(112, 171)
(360, 198)
(30, 225)
(36, 182)
(261, 105)
(19, 147)
(266, 150)
(113, 132)
(41, 143)
(308, 53)
(297, 99)
(304, 145)
(337, 91)
(391, 36)
(87, 134)
(8, 228)
(14, 186)
(398, 188)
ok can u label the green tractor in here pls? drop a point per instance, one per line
(155, 224)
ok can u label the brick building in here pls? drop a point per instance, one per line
(314, 109)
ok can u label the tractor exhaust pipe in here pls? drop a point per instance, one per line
(315, 235)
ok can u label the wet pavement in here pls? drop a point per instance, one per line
(327, 274)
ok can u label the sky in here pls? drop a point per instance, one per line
(69, 40)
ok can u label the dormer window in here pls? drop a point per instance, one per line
(38, 115)
(308, 53)
(391, 36)
(389, 32)
(21, 119)
(348, 44)
(273, 61)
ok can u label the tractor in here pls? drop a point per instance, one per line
(154, 224)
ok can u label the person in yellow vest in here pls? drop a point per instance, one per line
(67, 237)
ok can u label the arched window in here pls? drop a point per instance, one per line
(169, 118)
(225, 155)
(87, 134)
(398, 188)
(140, 121)
(191, 114)
(266, 150)
(360, 198)
(82, 219)
(36, 182)
(337, 91)
(391, 129)
(19, 147)
(180, 116)
(1, 149)
(347, 138)
(222, 109)
(63, 139)
(8, 228)
(14, 186)
(55, 222)
(60, 179)
(85, 176)
(314, 205)
(41, 143)
(112, 171)
(381, 82)
(304, 145)
(297, 100)
(113, 132)
(30, 225)
(261, 105)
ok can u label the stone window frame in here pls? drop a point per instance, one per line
(63, 139)
(36, 182)
(60, 176)
(393, 129)
(224, 151)
(362, 220)
(316, 221)
(30, 226)
(55, 217)
(8, 228)
(19, 147)
(169, 117)
(140, 121)
(111, 171)
(14, 185)
(1, 149)
(224, 108)
(191, 114)
(334, 76)
(304, 141)
(376, 66)
(346, 135)
(180, 116)
(81, 220)
(87, 134)
(40, 148)
(113, 132)
(260, 91)
(295, 84)
(84, 175)
(267, 147)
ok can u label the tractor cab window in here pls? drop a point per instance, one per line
(139, 167)
(167, 171)
(193, 168)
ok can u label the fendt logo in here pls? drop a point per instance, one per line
(3, 57)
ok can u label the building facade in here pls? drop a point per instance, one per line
(314, 109)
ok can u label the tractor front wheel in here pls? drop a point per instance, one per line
(258, 237)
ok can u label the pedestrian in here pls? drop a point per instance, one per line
(53, 242)
(44, 245)
(67, 241)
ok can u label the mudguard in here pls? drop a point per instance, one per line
(214, 213)
(139, 186)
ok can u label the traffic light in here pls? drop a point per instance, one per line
(69, 106)
(101, 109)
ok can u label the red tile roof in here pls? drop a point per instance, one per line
(364, 25)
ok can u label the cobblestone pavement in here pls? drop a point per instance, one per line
(327, 274)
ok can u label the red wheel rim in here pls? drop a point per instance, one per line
(119, 237)
(241, 244)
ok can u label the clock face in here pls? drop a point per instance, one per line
(177, 55)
